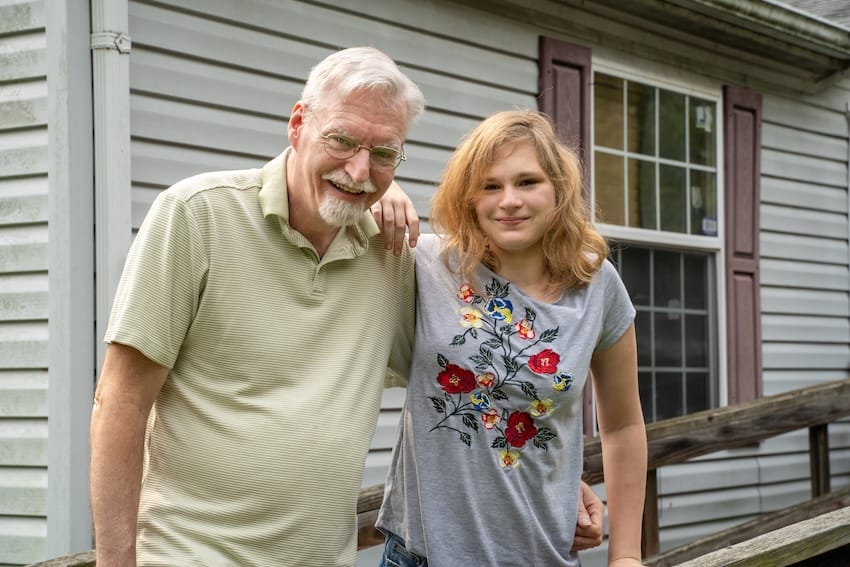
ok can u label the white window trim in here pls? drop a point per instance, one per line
(675, 79)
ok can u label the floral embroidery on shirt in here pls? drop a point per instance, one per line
(479, 394)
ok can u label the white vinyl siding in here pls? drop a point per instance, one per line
(23, 282)
(212, 84)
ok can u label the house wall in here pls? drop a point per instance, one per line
(23, 281)
(211, 86)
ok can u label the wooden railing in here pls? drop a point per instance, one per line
(680, 439)
(817, 527)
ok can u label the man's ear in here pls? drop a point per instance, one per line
(296, 121)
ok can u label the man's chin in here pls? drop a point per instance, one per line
(340, 213)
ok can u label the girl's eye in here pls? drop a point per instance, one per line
(491, 187)
(529, 181)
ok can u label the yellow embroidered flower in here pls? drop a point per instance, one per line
(541, 407)
(509, 459)
(470, 317)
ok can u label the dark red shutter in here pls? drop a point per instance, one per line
(742, 151)
(564, 94)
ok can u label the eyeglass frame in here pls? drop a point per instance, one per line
(356, 147)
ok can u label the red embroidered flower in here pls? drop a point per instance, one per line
(456, 380)
(544, 362)
(466, 293)
(520, 428)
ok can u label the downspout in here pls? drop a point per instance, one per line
(110, 45)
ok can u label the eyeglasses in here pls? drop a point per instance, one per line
(340, 146)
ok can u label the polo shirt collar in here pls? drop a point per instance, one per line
(273, 201)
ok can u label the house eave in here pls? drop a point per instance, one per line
(812, 53)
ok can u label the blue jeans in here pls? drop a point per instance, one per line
(397, 555)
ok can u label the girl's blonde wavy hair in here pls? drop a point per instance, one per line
(573, 250)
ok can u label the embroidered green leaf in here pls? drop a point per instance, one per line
(530, 314)
(498, 394)
(511, 365)
(442, 360)
(544, 434)
(458, 340)
(465, 437)
(480, 360)
(499, 443)
(549, 335)
(529, 390)
(486, 353)
(477, 299)
(473, 332)
(492, 343)
(470, 421)
(540, 444)
(439, 404)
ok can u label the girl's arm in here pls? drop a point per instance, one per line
(624, 450)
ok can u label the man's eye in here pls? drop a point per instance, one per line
(342, 141)
(384, 154)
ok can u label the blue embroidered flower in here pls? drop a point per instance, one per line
(480, 401)
(562, 382)
(500, 309)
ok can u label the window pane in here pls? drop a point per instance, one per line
(702, 131)
(668, 395)
(698, 396)
(671, 119)
(634, 271)
(696, 335)
(645, 390)
(641, 117)
(608, 180)
(703, 203)
(608, 111)
(667, 274)
(696, 268)
(673, 199)
(643, 332)
(642, 194)
(668, 339)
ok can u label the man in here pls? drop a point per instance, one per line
(256, 314)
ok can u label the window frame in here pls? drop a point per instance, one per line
(564, 77)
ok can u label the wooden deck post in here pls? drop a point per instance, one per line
(649, 542)
(819, 459)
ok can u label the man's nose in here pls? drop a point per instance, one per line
(358, 165)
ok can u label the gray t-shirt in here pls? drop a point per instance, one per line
(488, 458)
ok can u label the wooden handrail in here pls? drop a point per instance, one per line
(680, 439)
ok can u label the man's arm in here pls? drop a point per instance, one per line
(126, 391)
(393, 213)
(589, 528)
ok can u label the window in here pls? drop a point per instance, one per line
(655, 172)
(683, 223)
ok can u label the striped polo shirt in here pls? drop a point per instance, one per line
(256, 447)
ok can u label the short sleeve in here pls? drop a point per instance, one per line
(162, 282)
(618, 312)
